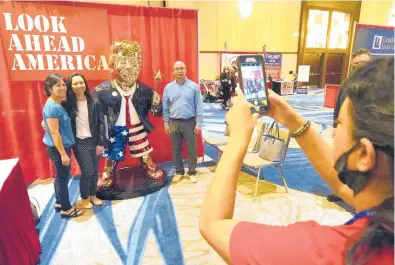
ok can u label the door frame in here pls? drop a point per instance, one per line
(351, 7)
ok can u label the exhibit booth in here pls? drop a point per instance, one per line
(39, 38)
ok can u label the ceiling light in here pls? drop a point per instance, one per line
(245, 8)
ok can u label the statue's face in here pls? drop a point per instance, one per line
(127, 68)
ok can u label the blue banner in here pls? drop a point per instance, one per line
(273, 58)
(378, 40)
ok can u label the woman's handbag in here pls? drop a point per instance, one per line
(35, 210)
(272, 147)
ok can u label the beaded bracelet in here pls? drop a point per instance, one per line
(301, 130)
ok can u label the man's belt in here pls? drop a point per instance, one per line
(182, 119)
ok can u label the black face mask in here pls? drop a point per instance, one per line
(355, 180)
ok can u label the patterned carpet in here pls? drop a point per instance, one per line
(162, 228)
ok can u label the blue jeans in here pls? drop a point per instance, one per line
(62, 177)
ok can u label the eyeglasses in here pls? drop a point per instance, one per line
(179, 69)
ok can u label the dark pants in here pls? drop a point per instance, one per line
(183, 130)
(85, 153)
(226, 92)
(62, 177)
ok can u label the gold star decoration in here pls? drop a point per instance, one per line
(158, 75)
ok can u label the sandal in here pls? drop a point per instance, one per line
(73, 213)
(58, 207)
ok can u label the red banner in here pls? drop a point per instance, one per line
(41, 39)
(165, 35)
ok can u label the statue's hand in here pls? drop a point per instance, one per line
(155, 99)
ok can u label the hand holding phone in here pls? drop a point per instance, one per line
(240, 112)
(251, 72)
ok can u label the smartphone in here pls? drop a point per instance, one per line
(252, 81)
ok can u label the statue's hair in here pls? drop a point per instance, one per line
(123, 47)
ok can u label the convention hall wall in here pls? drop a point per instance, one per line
(271, 23)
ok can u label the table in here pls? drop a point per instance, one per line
(19, 242)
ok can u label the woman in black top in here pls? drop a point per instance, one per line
(88, 128)
(226, 83)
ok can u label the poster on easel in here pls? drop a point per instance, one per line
(304, 73)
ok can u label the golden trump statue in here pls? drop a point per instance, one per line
(126, 104)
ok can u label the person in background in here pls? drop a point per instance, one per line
(235, 69)
(226, 83)
(360, 58)
(362, 175)
(233, 80)
(59, 140)
(234, 85)
(183, 117)
(88, 129)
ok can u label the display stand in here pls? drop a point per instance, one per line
(131, 182)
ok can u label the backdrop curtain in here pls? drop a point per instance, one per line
(165, 35)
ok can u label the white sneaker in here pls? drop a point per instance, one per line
(177, 178)
(193, 178)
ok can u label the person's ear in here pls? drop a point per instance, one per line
(366, 156)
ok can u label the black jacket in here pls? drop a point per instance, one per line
(110, 100)
(96, 121)
(225, 78)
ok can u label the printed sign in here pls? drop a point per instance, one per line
(287, 88)
(273, 72)
(41, 39)
(273, 59)
(302, 90)
(273, 65)
(378, 40)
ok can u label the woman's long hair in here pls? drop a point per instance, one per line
(226, 67)
(371, 91)
(71, 103)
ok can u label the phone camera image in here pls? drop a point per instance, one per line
(254, 83)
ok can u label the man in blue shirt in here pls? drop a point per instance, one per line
(183, 117)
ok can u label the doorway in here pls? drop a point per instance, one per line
(326, 30)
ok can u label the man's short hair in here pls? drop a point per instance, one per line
(361, 51)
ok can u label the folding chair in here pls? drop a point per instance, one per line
(216, 141)
(254, 142)
(256, 163)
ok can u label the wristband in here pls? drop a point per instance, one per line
(301, 130)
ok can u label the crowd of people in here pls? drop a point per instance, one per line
(359, 167)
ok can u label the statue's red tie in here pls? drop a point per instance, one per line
(127, 114)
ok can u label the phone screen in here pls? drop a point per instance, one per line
(254, 83)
